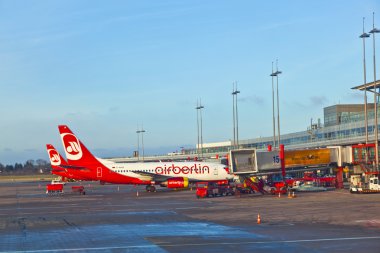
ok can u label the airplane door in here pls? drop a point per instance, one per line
(99, 172)
(215, 171)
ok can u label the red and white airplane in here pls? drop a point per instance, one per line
(61, 168)
(167, 174)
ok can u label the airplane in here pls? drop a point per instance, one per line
(166, 174)
(61, 168)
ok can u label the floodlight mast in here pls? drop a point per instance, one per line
(200, 127)
(275, 74)
(374, 31)
(365, 35)
(234, 94)
(274, 120)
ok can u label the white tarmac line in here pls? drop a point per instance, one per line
(198, 244)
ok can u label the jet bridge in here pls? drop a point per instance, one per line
(260, 162)
(252, 161)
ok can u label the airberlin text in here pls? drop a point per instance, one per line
(173, 169)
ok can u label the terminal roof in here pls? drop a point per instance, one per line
(367, 86)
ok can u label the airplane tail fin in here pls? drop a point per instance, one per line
(55, 157)
(76, 153)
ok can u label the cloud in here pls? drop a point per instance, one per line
(31, 150)
(318, 101)
(48, 37)
(156, 13)
(358, 97)
(114, 109)
(274, 26)
(257, 100)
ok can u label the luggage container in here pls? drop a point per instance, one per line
(52, 189)
(78, 189)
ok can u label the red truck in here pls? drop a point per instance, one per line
(213, 189)
(54, 189)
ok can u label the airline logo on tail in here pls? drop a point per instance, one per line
(54, 157)
(72, 146)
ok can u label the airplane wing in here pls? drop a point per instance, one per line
(57, 169)
(74, 167)
(152, 176)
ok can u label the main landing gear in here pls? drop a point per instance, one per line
(150, 188)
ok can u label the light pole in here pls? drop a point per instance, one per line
(364, 36)
(275, 74)
(138, 144)
(199, 126)
(274, 121)
(374, 31)
(142, 131)
(142, 143)
(278, 105)
(235, 115)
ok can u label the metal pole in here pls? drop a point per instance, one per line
(138, 145)
(200, 112)
(373, 31)
(233, 113)
(142, 143)
(237, 119)
(197, 108)
(278, 105)
(363, 36)
(274, 121)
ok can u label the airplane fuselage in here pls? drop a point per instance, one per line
(194, 171)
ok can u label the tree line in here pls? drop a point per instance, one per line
(39, 166)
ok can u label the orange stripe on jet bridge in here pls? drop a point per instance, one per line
(307, 157)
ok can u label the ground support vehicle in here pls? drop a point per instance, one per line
(279, 187)
(359, 184)
(213, 189)
(78, 189)
(250, 185)
(58, 181)
(242, 188)
(309, 176)
(54, 189)
(308, 186)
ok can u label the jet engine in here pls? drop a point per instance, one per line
(176, 182)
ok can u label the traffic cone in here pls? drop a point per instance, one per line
(279, 194)
(137, 193)
(258, 219)
(294, 195)
(289, 195)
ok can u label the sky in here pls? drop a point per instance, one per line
(109, 68)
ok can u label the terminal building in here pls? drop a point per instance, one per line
(344, 124)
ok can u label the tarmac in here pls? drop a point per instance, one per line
(125, 218)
